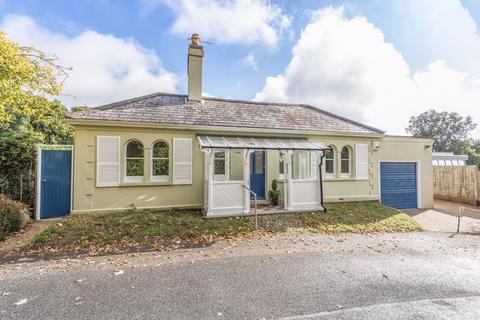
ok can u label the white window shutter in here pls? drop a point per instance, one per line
(108, 161)
(182, 160)
(361, 161)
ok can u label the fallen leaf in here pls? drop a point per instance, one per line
(19, 303)
(119, 272)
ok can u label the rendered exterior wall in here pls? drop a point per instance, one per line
(391, 148)
(87, 197)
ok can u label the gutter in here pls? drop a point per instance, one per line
(207, 129)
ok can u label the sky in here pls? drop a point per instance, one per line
(377, 61)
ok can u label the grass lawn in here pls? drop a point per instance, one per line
(107, 232)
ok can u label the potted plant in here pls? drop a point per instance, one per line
(274, 194)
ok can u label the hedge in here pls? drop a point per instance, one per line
(11, 216)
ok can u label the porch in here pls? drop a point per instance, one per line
(233, 165)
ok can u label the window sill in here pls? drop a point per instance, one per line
(159, 179)
(145, 184)
(344, 179)
(133, 179)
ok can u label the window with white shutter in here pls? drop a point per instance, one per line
(361, 161)
(182, 160)
(108, 161)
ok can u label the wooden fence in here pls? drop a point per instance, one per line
(457, 183)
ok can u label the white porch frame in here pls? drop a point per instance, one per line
(230, 198)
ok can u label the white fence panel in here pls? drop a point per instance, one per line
(305, 195)
(227, 197)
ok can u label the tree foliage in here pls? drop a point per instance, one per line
(447, 129)
(17, 156)
(471, 148)
(29, 80)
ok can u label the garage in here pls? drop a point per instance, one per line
(398, 184)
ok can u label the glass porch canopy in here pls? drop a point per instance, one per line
(258, 143)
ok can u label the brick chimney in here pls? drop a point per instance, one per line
(195, 61)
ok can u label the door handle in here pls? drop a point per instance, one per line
(44, 180)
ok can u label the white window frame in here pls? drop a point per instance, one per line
(308, 168)
(152, 176)
(133, 179)
(350, 162)
(281, 163)
(226, 175)
(331, 175)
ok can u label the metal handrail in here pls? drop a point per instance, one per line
(255, 199)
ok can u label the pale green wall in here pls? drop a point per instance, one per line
(87, 197)
(147, 194)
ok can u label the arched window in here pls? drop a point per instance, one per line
(160, 161)
(134, 161)
(330, 162)
(346, 162)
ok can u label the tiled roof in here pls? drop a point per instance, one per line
(176, 109)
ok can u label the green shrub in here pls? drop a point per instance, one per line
(274, 194)
(11, 216)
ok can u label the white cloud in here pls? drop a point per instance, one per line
(346, 66)
(250, 61)
(446, 31)
(105, 68)
(232, 21)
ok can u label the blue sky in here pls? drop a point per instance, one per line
(356, 58)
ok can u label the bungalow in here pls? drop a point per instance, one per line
(188, 151)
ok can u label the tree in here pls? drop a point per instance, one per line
(17, 156)
(446, 129)
(471, 148)
(29, 79)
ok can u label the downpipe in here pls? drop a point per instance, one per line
(321, 181)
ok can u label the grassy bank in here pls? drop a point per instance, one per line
(105, 232)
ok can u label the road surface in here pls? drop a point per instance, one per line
(295, 276)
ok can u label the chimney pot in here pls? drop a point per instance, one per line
(195, 40)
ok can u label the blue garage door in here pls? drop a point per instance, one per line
(398, 184)
(55, 183)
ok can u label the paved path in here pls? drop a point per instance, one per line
(444, 217)
(295, 276)
(18, 240)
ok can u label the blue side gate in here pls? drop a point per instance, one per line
(398, 184)
(54, 185)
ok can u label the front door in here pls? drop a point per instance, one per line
(257, 174)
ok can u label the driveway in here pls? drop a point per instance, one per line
(296, 276)
(444, 217)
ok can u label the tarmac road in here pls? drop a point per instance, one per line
(296, 276)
